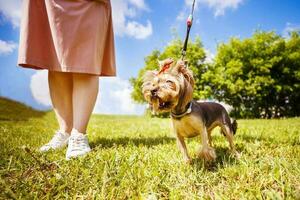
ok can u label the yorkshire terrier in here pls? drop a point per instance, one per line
(171, 90)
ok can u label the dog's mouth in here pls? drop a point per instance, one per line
(164, 105)
(160, 105)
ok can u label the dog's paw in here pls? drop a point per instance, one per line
(188, 161)
(208, 154)
(236, 154)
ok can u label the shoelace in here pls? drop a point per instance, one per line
(56, 140)
(77, 143)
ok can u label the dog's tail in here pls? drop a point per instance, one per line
(234, 126)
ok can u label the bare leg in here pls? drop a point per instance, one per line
(229, 137)
(60, 86)
(183, 149)
(85, 91)
(207, 152)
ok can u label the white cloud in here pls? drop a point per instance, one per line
(290, 27)
(113, 98)
(209, 56)
(139, 4)
(11, 10)
(181, 16)
(39, 87)
(227, 107)
(7, 47)
(139, 31)
(219, 6)
(123, 13)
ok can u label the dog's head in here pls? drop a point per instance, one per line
(168, 88)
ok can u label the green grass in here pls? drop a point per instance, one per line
(137, 158)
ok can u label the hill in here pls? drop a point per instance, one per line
(13, 110)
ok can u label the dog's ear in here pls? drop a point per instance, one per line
(178, 67)
(181, 69)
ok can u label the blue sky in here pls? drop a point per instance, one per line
(141, 26)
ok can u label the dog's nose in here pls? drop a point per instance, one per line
(154, 92)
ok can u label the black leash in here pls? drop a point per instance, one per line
(189, 23)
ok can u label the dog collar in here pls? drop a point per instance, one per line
(180, 115)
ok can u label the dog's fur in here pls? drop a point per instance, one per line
(172, 91)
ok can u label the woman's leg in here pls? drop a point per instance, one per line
(85, 91)
(61, 88)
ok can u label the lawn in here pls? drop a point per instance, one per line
(136, 157)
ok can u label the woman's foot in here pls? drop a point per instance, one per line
(78, 145)
(59, 140)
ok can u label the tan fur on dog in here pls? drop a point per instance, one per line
(171, 90)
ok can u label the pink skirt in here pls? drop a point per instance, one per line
(68, 36)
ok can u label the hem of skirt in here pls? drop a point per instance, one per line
(37, 66)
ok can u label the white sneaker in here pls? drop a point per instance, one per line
(59, 140)
(78, 145)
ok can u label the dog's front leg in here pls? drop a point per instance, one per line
(183, 149)
(207, 152)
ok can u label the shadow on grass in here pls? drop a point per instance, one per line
(224, 159)
(124, 141)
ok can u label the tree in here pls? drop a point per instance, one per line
(258, 76)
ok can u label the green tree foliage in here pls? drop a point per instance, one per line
(195, 56)
(258, 76)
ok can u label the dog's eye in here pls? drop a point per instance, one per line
(170, 82)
